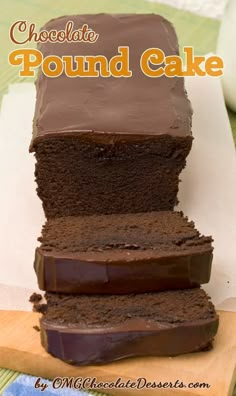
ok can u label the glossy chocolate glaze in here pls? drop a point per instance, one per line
(119, 272)
(81, 346)
(111, 109)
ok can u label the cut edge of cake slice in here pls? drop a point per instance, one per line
(129, 253)
(99, 329)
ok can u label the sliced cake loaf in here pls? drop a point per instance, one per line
(100, 329)
(109, 153)
(111, 145)
(122, 254)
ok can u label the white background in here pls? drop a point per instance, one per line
(211, 8)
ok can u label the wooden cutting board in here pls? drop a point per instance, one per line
(20, 350)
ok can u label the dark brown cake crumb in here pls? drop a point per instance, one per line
(35, 298)
(179, 306)
(36, 328)
(159, 231)
(122, 175)
(40, 308)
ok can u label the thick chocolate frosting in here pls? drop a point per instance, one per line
(81, 347)
(121, 272)
(110, 109)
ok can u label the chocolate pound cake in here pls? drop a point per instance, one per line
(111, 145)
(100, 329)
(129, 253)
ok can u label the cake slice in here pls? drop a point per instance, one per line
(111, 145)
(129, 253)
(100, 329)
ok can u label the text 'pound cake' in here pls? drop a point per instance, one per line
(100, 329)
(111, 145)
(128, 253)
